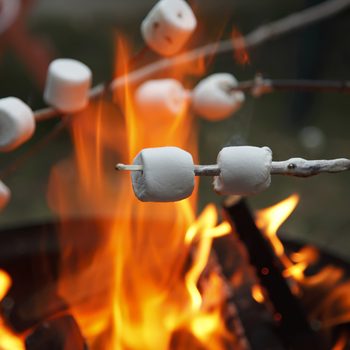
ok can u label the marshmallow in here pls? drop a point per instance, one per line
(161, 99)
(67, 85)
(167, 176)
(212, 98)
(17, 123)
(9, 10)
(168, 26)
(5, 195)
(243, 170)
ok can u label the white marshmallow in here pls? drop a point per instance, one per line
(167, 176)
(244, 170)
(8, 13)
(17, 123)
(161, 99)
(212, 98)
(67, 85)
(5, 195)
(168, 26)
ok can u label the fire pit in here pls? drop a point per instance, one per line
(126, 260)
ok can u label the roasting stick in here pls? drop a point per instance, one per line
(298, 167)
(260, 86)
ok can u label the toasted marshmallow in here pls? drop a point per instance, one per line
(168, 26)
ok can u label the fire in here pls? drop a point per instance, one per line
(8, 340)
(132, 274)
(270, 219)
(325, 294)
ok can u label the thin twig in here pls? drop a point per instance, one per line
(19, 161)
(257, 37)
(298, 167)
(260, 86)
(305, 168)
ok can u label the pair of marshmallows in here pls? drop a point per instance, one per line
(211, 98)
(168, 173)
(168, 26)
(67, 89)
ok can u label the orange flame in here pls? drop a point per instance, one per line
(8, 340)
(131, 273)
(240, 53)
(325, 294)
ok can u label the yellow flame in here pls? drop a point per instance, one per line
(8, 340)
(205, 221)
(270, 219)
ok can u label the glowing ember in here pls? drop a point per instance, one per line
(258, 294)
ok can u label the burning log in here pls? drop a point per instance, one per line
(61, 333)
(294, 326)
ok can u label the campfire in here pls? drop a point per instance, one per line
(130, 262)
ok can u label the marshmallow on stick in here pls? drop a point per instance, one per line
(5, 195)
(167, 175)
(168, 26)
(244, 170)
(160, 99)
(17, 123)
(212, 98)
(67, 85)
(8, 14)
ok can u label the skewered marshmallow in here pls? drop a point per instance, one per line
(212, 98)
(8, 14)
(168, 26)
(243, 170)
(161, 99)
(17, 123)
(167, 176)
(67, 85)
(5, 195)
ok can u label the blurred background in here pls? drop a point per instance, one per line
(291, 124)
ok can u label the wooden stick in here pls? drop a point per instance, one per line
(260, 86)
(297, 167)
